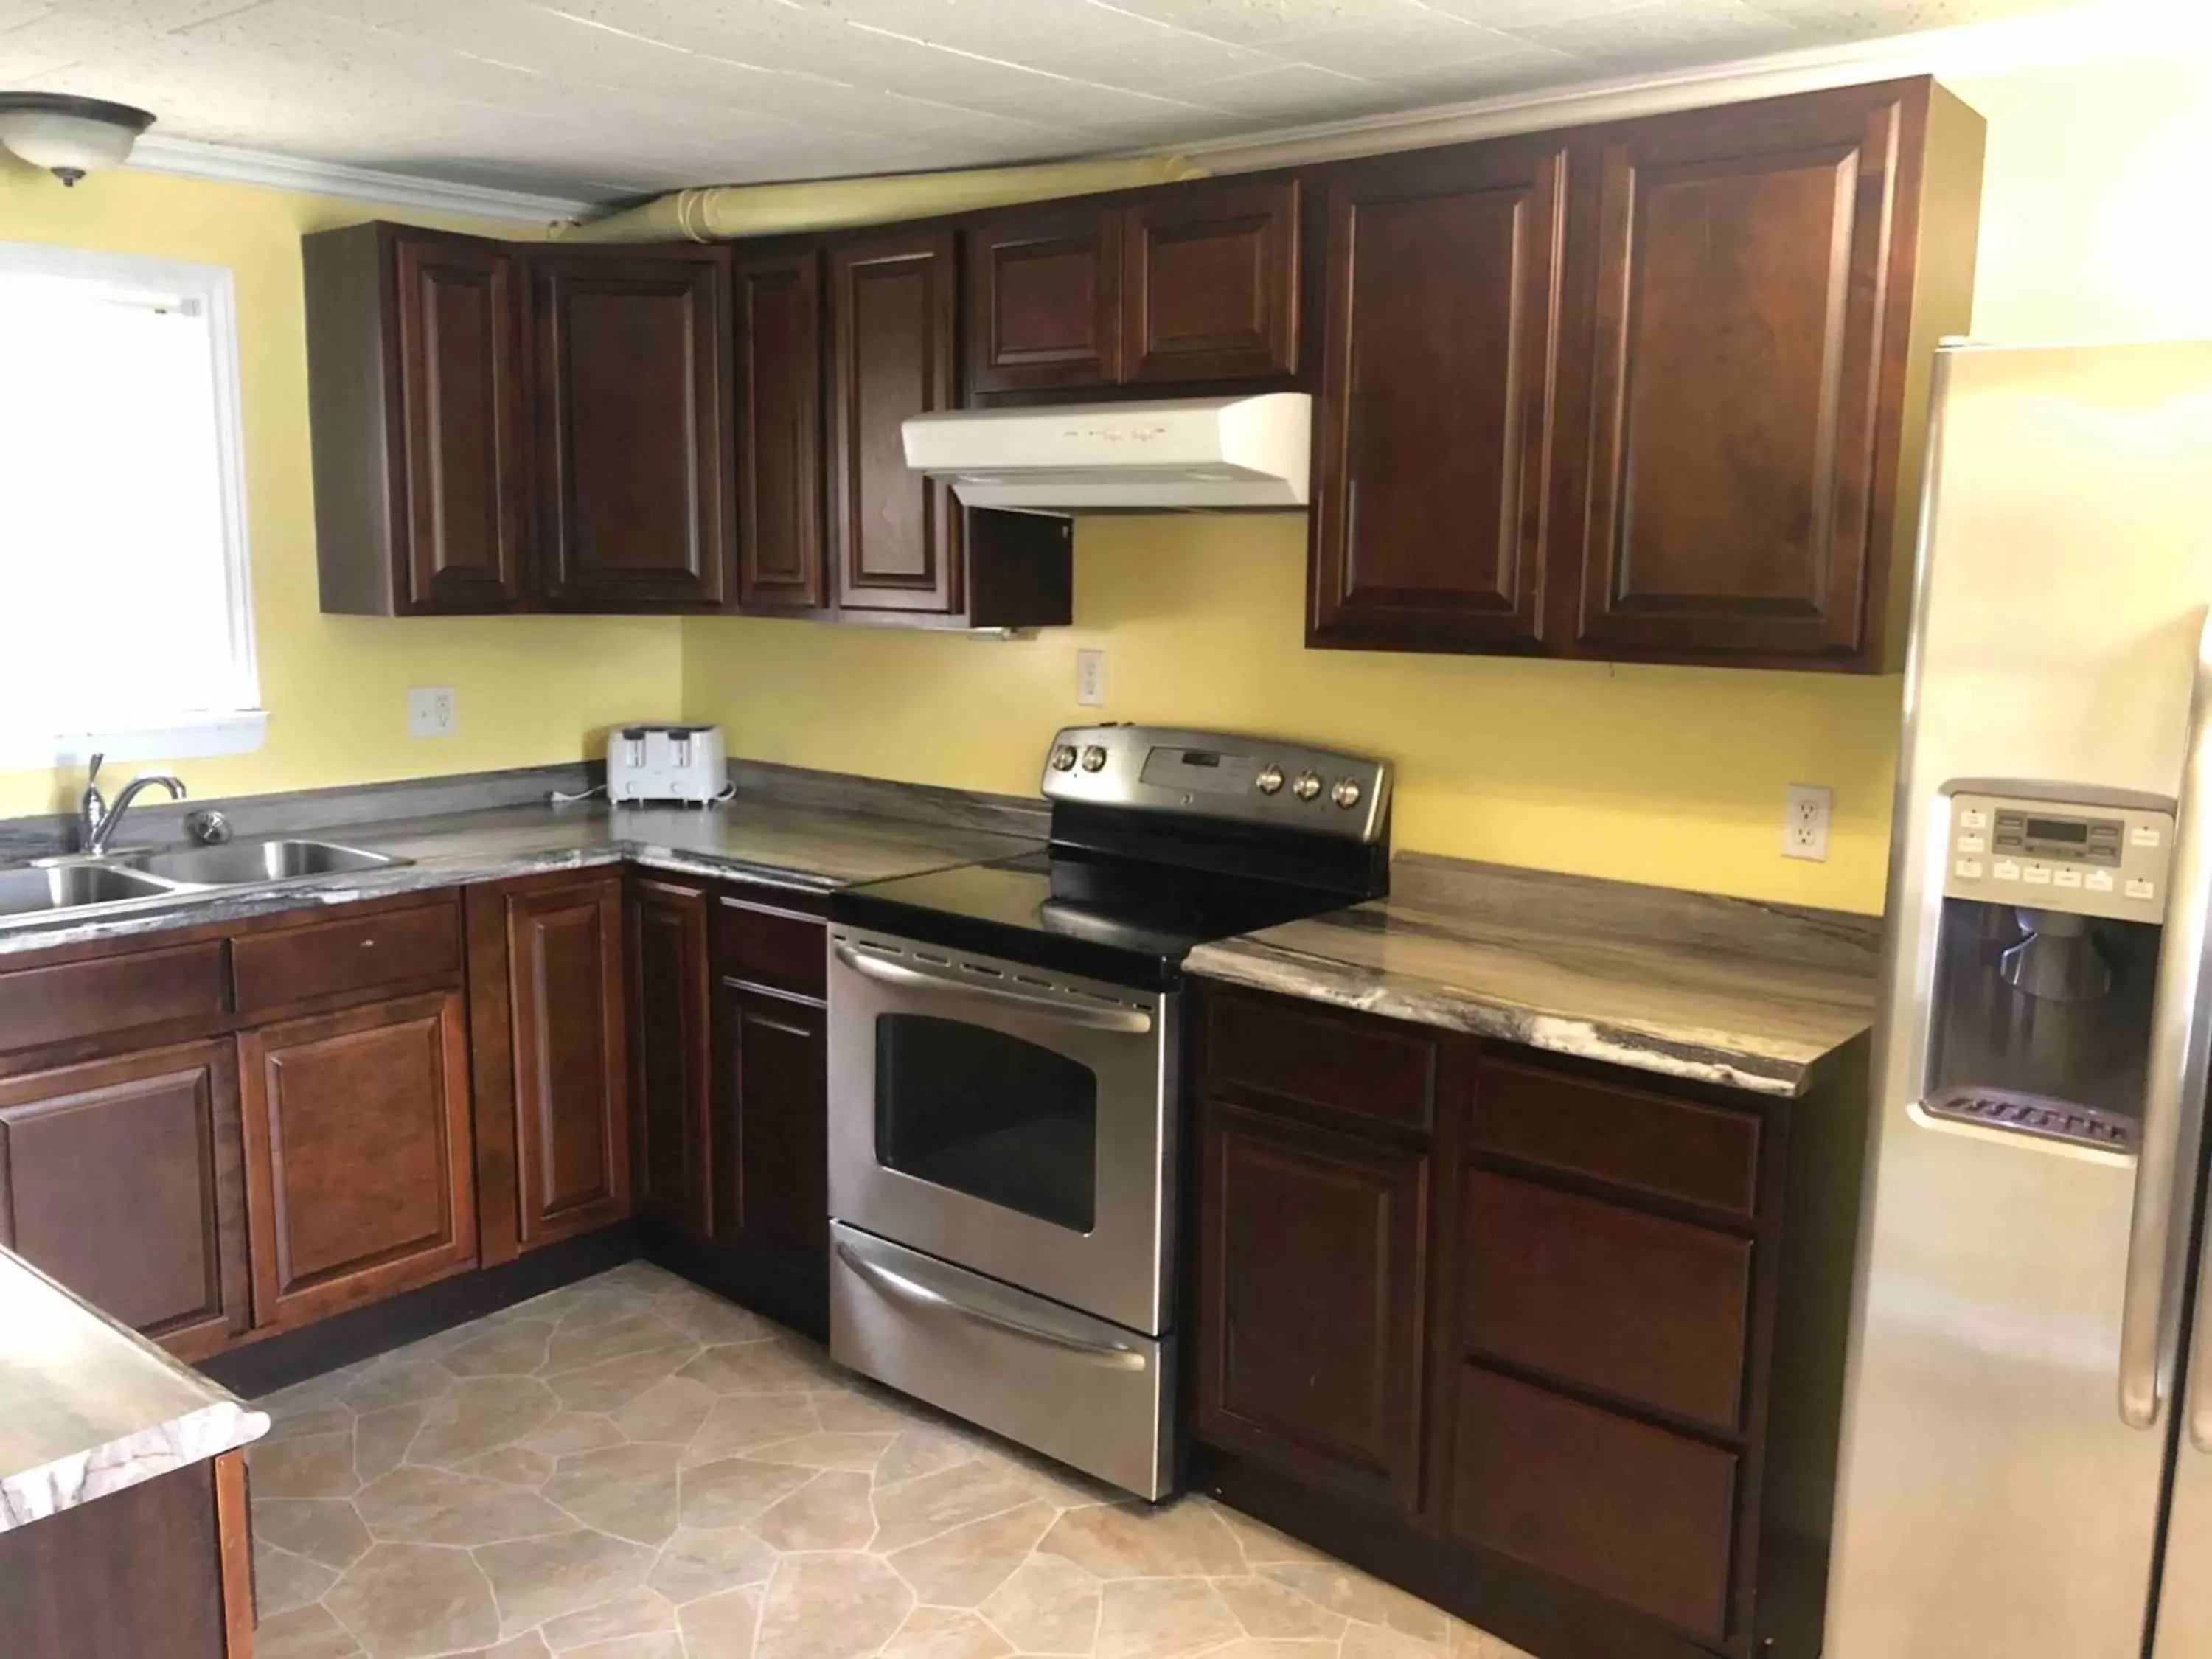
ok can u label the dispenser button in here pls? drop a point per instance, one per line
(2037, 875)
(2006, 870)
(1968, 869)
(2143, 835)
(2066, 876)
(1973, 818)
(1974, 844)
(2099, 881)
(2140, 889)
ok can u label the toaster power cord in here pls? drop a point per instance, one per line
(560, 798)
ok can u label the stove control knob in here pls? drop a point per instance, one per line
(1094, 758)
(1270, 779)
(1345, 794)
(1063, 757)
(1307, 787)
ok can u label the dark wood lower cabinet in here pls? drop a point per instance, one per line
(358, 1154)
(124, 1180)
(671, 1067)
(1567, 1362)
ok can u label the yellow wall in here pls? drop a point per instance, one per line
(1659, 774)
(530, 689)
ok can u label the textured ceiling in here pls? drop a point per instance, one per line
(605, 98)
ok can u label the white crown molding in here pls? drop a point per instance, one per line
(2074, 34)
(187, 159)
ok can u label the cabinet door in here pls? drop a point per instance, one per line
(357, 1155)
(782, 491)
(1434, 445)
(564, 951)
(773, 1133)
(1044, 300)
(671, 1067)
(894, 534)
(632, 376)
(123, 1179)
(1741, 287)
(459, 326)
(1210, 282)
(1311, 1286)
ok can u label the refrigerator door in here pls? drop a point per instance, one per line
(1992, 1498)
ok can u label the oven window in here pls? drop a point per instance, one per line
(982, 1113)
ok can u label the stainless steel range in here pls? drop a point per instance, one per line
(1005, 1069)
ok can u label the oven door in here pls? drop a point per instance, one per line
(1010, 1120)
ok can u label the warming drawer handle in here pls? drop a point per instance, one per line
(1134, 1022)
(2174, 1087)
(898, 1285)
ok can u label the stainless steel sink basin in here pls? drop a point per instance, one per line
(247, 863)
(71, 886)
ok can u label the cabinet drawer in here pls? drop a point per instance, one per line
(764, 947)
(1297, 1053)
(354, 953)
(41, 1006)
(1628, 1138)
(1652, 1310)
(1629, 1511)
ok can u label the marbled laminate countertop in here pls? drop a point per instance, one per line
(807, 848)
(1728, 991)
(87, 1407)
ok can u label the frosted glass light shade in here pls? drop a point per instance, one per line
(69, 136)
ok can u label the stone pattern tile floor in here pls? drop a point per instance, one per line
(634, 1469)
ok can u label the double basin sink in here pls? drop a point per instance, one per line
(53, 886)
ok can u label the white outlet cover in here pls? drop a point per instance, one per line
(432, 712)
(1091, 679)
(1805, 822)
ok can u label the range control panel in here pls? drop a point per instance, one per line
(2088, 859)
(1219, 774)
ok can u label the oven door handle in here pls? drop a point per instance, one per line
(902, 1288)
(1134, 1021)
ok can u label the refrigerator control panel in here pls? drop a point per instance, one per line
(2086, 859)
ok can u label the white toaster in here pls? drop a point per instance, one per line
(683, 763)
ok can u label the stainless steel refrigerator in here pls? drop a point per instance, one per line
(2026, 1466)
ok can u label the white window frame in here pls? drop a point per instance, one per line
(217, 732)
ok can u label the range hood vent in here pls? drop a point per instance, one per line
(1192, 454)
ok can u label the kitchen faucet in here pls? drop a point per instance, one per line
(99, 821)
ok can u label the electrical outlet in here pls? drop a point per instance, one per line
(1091, 679)
(1805, 822)
(431, 712)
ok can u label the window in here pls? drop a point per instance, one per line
(126, 618)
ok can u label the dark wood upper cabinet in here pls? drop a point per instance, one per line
(782, 488)
(1435, 427)
(124, 1180)
(893, 535)
(670, 1062)
(1044, 299)
(415, 399)
(1210, 282)
(1766, 303)
(632, 373)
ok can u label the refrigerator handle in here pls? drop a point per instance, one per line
(2173, 1092)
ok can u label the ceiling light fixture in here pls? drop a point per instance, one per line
(69, 136)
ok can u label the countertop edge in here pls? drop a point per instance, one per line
(130, 1460)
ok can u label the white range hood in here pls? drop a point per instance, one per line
(1194, 452)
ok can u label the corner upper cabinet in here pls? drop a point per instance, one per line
(416, 401)
(1435, 429)
(782, 488)
(1770, 281)
(1044, 300)
(632, 371)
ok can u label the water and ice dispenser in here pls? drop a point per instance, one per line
(2046, 962)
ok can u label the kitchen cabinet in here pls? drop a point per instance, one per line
(124, 1179)
(415, 398)
(632, 379)
(1654, 390)
(1554, 1345)
(1044, 292)
(358, 1154)
(670, 1061)
(782, 485)
(548, 1058)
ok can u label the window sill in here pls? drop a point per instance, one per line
(191, 738)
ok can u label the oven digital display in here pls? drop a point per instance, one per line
(1200, 771)
(2071, 829)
